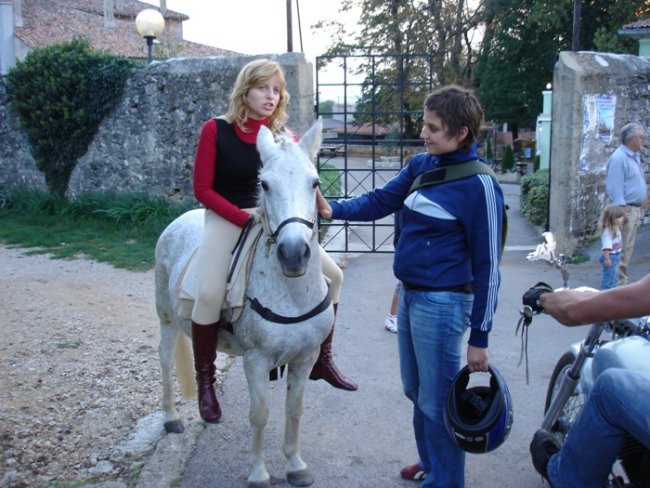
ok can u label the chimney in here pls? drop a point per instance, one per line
(163, 7)
(7, 51)
(109, 14)
(18, 13)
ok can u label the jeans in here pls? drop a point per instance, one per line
(430, 328)
(619, 405)
(610, 275)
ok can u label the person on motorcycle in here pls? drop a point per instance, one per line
(570, 307)
(619, 404)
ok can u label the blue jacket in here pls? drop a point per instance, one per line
(451, 232)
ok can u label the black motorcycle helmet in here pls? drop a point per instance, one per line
(478, 419)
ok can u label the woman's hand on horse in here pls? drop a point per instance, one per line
(254, 217)
(323, 207)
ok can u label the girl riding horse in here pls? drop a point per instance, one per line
(226, 171)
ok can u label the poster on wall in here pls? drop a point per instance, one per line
(597, 128)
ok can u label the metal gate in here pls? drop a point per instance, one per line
(371, 106)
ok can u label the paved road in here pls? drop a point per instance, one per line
(362, 439)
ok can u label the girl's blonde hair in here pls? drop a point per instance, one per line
(250, 76)
(609, 215)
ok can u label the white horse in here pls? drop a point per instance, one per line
(288, 311)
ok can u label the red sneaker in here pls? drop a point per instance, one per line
(413, 472)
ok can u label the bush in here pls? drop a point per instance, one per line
(61, 93)
(489, 155)
(330, 180)
(533, 197)
(508, 159)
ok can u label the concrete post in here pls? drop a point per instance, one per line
(543, 130)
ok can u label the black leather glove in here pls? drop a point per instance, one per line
(532, 296)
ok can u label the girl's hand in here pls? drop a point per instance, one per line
(607, 263)
(322, 206)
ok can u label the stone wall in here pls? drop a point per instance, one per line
(17, 166)
(594, 95)
(147, 143)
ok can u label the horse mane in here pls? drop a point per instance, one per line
(284, 138)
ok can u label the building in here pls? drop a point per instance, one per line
(639, 30)
(107, 24)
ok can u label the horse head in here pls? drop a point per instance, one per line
(288, 182)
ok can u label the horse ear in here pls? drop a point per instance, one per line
(310, 142)
(265, 143)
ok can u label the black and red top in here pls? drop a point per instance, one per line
(226, 168)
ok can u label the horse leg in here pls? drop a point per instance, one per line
(297, 472)
(257, 369)
(168, 337)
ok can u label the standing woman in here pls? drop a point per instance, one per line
(226, 171)
(447, 259)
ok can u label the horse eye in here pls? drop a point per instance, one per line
(265, 185)
(316, 184)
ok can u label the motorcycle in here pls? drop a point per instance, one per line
(615, 344)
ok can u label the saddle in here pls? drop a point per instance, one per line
(242, 257)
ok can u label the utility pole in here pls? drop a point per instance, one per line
(289, 28)
(577, 4)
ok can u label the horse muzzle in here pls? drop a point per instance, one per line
(294, 257)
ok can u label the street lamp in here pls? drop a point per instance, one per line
(150, 24)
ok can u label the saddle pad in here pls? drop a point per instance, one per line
(188, 283)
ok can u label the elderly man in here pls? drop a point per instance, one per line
(625, 185)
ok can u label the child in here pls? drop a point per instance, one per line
(391, 317)
(611, 240)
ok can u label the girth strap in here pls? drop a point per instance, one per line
(269, 315)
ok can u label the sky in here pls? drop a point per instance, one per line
(256, 26)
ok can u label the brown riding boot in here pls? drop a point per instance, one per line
(204, 344)
(325, 369)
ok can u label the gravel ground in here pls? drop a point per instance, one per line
(80, 389)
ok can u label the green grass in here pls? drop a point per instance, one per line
(119, 229)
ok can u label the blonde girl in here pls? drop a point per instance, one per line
(226, 171)
(611, 221)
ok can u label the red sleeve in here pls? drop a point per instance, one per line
(294, 135)
(205, 163)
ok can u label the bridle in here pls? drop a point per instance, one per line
(265, 312)
(273, 236)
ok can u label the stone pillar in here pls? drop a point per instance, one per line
(594, 95)
(543, 130)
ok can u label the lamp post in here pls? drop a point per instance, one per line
(150, 24)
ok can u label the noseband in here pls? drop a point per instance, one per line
(273, 236)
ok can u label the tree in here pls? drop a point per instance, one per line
(61, 93)
(326, 107)
(520, 43)
(489, 155)
(508, 159)
(417, 38)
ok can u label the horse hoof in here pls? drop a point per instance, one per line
(259, 484)
(174, 427)
(300, 478)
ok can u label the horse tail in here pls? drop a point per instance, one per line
(184, 367)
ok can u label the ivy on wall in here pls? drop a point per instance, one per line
(61, 93)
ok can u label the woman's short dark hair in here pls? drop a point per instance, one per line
(457, 107)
